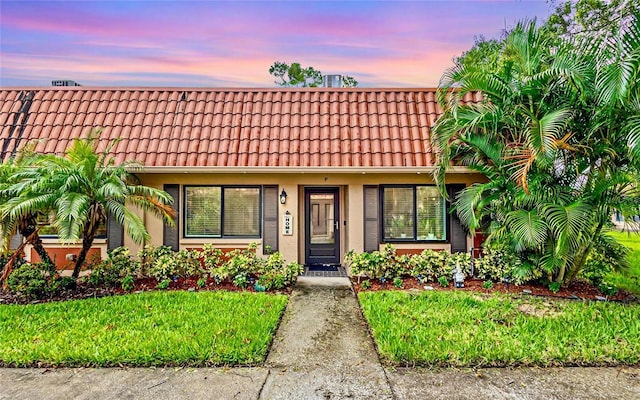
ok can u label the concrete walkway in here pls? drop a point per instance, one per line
(322, 350)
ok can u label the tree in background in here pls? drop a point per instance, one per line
(295, 76)
(601, 19)
(87, 186)
(557, 137)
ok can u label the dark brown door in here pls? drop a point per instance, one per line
(322, 226)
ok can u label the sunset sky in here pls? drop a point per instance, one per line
(232, 44)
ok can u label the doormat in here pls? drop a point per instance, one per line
(323, 267)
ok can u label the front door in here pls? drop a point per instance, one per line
(322, 226)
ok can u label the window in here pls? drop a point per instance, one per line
(220, 211)
(413, 213)
(47, 230)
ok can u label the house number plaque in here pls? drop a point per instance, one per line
(287, 224)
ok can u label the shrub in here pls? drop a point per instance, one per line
(29, 280)
(275, 274)
(487, 284)
(127, 283)
(498, 264)
(272, 281)
(164, 284)
(4, 259)
(425, 266)
(189, 263)
(114, 269)
(366, 284)
(555, 287)
(241, 280)
(166, 267)
(58, 284)
(211, 258)
(607, 255)
(379, 264)
(397, 282)
(607, 289)
(453, 260)
(149, 255)
(239, 261)
(443, 281)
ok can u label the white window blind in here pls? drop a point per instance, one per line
(431, 214)
(241, 211)
(398, 213)
(413, 213)
(203, 211)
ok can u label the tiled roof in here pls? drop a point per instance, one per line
(199, 127)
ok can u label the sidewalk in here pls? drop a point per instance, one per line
(322, 350)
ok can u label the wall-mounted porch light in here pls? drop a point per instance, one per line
(283, 197)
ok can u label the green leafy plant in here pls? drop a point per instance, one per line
(149, 255)
(114, 269)
(555, 287)
(166, 267)
(427, 264)
(202, 282)
(443, 281)
(397, 282)
(607, 256)
(127, 283)
(29, 280)
(164, 284)
(378, 264)
(607, 289)
(211, 257)
(366, 284)
(487, 284)
(241, 280)
(57, 284)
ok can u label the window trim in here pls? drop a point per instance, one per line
(222, 235)
(414, 239)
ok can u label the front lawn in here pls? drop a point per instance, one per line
(630, 280)
(471, 329)
(155, 328)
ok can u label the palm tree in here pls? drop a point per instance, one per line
(16, 176)
(558, 145)
(89, 186)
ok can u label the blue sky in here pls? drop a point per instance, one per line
(232, 44)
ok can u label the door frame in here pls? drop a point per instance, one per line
(307, 191)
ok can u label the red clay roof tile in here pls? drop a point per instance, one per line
(231, 127)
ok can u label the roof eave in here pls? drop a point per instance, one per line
(301, 170)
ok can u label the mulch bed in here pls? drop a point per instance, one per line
(85, 291)
(576, 290)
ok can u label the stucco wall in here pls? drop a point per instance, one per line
(292, 247)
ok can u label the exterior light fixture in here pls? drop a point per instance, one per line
(283, 197)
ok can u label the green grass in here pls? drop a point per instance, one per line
(464, 329)
(629, 281)
(155, 328)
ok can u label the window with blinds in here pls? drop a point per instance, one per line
(430, 210)
(45, 223)
(217, 211)
(241, 212)
(413, 213)
(398, 206)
